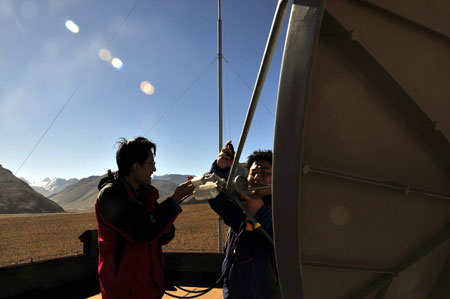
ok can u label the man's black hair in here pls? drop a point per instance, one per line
(259, 155)
(132, 151)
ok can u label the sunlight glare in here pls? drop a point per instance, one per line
(147, 88)
(104, 55)
(117, 63)
(72, 26)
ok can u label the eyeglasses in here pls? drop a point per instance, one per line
(260, 173)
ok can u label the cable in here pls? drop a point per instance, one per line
(76, 89)
(194, 296)
(179, 98)
(190, 291)
(201, 293)
(245, 82)
(224, 273)
(240, 77)
(123, 23)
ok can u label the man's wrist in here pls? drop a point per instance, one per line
(173, 203)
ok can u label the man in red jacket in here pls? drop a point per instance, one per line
(132, 226)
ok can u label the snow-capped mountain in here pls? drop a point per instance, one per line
(48, 187)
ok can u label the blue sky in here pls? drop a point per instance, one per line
(167, 43)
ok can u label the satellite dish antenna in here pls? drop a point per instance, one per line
(361, 184)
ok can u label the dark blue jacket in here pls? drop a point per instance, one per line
(250, 256)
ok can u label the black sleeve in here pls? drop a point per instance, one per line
(131, 219)
(230, 212)
(167, 237)
(221, 172)
(264, 217)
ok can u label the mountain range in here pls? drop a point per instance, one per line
(81, 196)
(48, 187)
(54, 195)
(16, 196)
(176, 178)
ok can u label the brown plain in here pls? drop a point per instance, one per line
(27, 237)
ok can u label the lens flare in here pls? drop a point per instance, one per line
(117, 63)
(147, 88)
(104, 55)
(72, 26)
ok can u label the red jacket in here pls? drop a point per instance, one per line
(132, 227)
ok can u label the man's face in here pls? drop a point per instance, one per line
(260, 174)
(144, 172)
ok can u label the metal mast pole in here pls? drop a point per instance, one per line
(219, 70)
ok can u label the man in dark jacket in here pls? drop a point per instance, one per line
(132, 226)
(250, 257)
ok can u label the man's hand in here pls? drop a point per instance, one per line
(226, 155)
(252, 203)
(183, 190)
